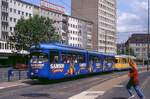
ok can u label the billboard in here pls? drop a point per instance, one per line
(52, 7)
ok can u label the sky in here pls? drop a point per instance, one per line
(131, 16)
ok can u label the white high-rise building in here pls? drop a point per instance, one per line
(103, 14)
(18, 9)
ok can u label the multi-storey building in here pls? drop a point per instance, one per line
(139, 44)
(4, 19)
(74, 31)
(79, 32)
(11, 12)
(18, 9)
(4, 26)
(103, 15)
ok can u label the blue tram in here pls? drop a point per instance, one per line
(56, 61)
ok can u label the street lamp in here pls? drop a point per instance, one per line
(148, 40)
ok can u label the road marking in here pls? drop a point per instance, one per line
(88, 95)
(119, 86)
(8, 85)
(2, 87)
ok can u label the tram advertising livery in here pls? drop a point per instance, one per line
(56, 61)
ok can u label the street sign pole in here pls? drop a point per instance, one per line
(148, 41)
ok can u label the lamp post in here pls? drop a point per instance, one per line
(105, 41)
(148, 41)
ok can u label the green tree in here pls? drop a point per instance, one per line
(126, 50)
(129, 51)
(31, 31)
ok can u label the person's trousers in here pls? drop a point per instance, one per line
(136, 88)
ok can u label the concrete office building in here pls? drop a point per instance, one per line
(103, 14)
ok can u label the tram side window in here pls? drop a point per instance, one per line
(81, 59)
(94, 59)
(54, 57)
(72, 58)
(109, 59)
(124, 60)
(116, 61)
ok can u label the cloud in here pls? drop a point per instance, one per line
(134, 17)
(129, 22)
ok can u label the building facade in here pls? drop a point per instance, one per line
(17, 10)
(139, 44)
(103, 14)
(79, 33)
(4, 19)
(74, 31)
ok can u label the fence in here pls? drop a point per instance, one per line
(4, 75)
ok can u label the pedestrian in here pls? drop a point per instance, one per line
(134, 81)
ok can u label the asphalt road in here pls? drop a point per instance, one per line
(59, 90)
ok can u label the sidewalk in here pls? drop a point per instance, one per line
(119, 91)
(109, 89)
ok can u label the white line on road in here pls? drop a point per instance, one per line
(119, 86)
(9, 85)
(88, 95)
(2, 87)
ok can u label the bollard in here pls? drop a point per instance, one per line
(19, 75)
(10, 73)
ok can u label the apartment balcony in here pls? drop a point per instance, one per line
(5, 30)
(4, 19)
(5, 3)
(4, 14)
(5, 10)
(4, 35)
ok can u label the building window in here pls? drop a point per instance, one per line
(10, 19)
(18, 12)
(10, 9)
(22, 13)
(18, 4)
(10, 28)
(14, 10)
(26, 14)
(15, 19)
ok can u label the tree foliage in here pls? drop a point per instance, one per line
(126, 50)
(31, 31)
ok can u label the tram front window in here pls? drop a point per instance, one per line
(38, 57)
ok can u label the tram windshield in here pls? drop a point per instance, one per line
(38, 57)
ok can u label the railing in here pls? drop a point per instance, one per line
(9, 74)
(16, 74)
